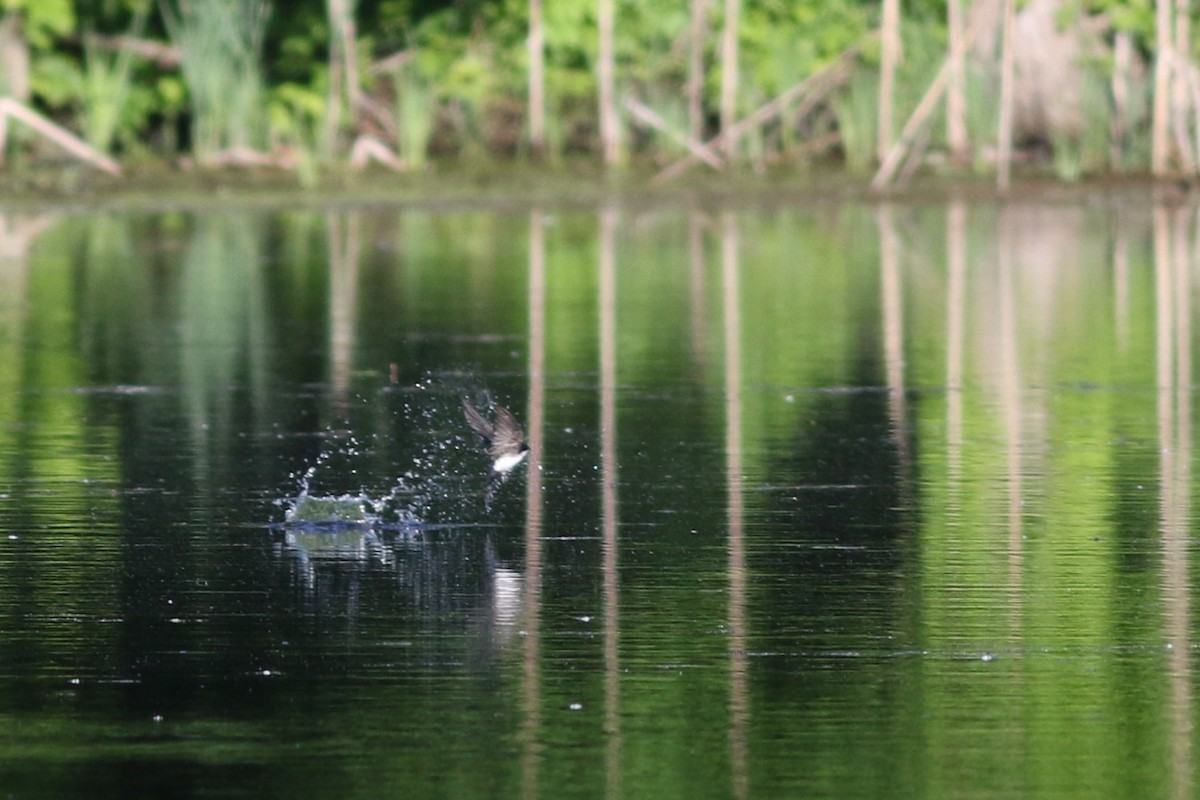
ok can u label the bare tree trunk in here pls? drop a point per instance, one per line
(333, 96)
(888, 61)
(1160, 137)
(14, 59)
(1122, 60)
(537, 81)
(346, 28)
(924, 108)
(1004, 144)
(956, 97)
(695, 84)
(1179, 104)
(729, 73)
(609, 129)
(343, 67)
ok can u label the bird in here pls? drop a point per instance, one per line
(503, 438)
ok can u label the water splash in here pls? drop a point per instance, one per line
(443, 475)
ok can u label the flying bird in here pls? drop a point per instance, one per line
(503, 438)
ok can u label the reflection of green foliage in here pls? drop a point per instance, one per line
(1021, 537)
(223, 325)
(58, 469)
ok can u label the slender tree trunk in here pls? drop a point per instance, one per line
(888, 61)
(333, 97)
(609, 126)
(537, 81)
(1160, 136)
(695, 84)
(1179, 105)
(1122, 59)
(343, 69)
(956, 98)
(343, 13)
(14, 59)
(1004, 144)
(729, 73)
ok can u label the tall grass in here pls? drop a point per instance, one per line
(855, 110)
(416, 113)
(1087, 150)
(220, 43)
(106, 87)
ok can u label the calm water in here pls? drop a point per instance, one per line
(837, 501)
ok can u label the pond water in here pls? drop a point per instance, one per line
(822, 500)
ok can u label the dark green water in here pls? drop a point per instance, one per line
(843, 501)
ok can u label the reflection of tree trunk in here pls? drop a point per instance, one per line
(699, 319)
(888, 62)
(608, 469)
(729, 74)
(17, 235)
(739, 702)
(537, 81)
(344, 249)
(1173, 367)
(1121, 281)
(1010, 398)
(893, 331)
(956, 294)
(695, 83)
(531, 724)
(608, 98)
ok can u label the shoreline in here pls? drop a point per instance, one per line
(524, 186)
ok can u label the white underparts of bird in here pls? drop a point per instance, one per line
(502, 436)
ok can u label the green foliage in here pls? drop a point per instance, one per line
(43, 19)
(221, 45)
(416, 109)
(253, 79)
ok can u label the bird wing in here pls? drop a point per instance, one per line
(507, 436)
(477, 422)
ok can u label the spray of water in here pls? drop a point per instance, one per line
(443, 468)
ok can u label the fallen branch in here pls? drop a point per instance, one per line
(393, 62)
(648, 116)
(164, 55)
(368, 148)
(816, 86)
(281, 157)
(59, 135)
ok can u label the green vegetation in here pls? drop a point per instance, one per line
(403, 81)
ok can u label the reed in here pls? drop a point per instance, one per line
(983, 115)
(416, 114)
(106, 86)
(296, 117)
(855, 111)
(220, 43)
(1085, 151)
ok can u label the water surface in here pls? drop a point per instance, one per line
(853, 500)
